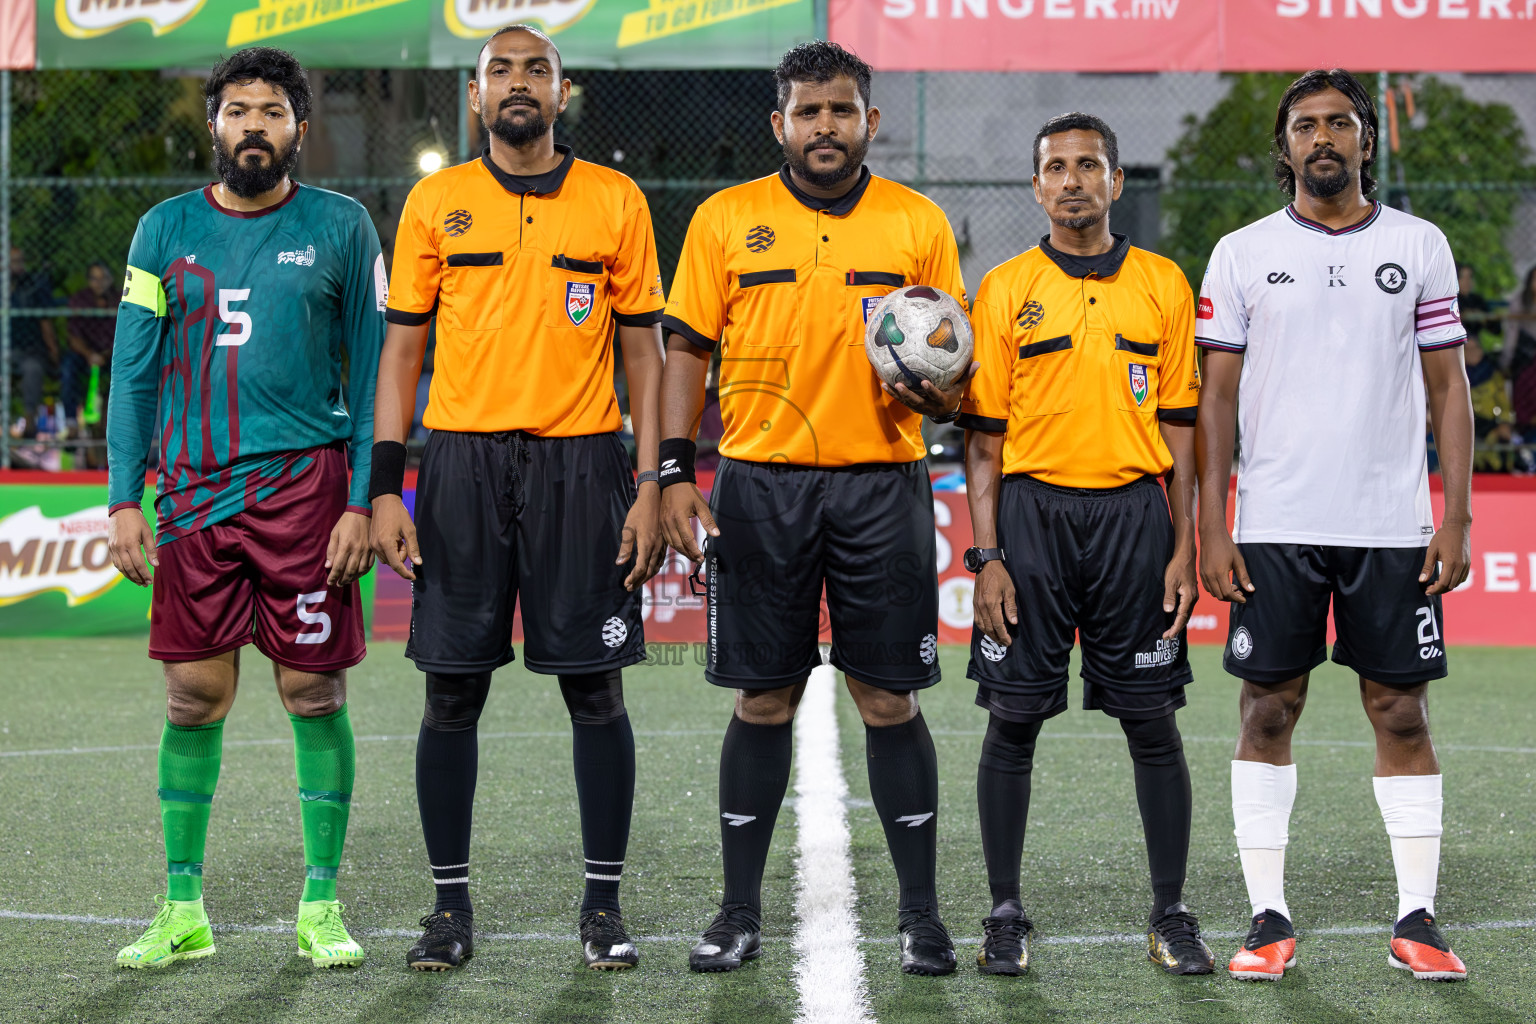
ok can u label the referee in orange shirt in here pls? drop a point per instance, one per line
(1085, 395)
(529, 258)
(822, 482)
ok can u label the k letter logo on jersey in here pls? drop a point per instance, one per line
(1031, 315)
(1391, 278)
(578, 301)
(1139, 382)
(760, 238)
(458, 222)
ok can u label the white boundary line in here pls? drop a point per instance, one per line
(829, 965)
(1102, 939)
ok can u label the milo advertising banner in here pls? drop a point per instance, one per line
(56, 573)
(417, 33)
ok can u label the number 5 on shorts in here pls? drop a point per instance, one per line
(305, 601)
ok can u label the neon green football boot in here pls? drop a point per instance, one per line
(179, 931)
(323, 938)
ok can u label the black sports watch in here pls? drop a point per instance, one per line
(975, 558)
(948, 417)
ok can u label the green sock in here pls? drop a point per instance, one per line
(325, 761)
(189, 771)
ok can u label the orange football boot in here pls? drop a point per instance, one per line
(1418, 946)
(1268, 951)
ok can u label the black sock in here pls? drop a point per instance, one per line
(1002, 799)
(447, 762)
(603, 748)
(754, 772)
(1162, 792)
(904, 784)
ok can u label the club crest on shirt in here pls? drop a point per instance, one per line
(1139, 382)
(868, 304)
(578, 301)
(1031, 315)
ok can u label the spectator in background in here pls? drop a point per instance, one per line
(1476, 314)
(1493, 418)
(1518, 359)
(34, 348)
(88, 338)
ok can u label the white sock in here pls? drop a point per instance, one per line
(1411, 809)
(1262, 795)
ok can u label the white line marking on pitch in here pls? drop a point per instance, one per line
(288, 741)
(1104, 939)
(829, 965)
(1232, 741)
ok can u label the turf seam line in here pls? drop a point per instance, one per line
(1105, 938)
(1452, 748)
(829, 965)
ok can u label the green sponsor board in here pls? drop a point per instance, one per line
(418, 33)
(56, 573)
(193, 33)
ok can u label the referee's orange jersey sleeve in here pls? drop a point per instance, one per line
(1078, 371)
(784, 289)
(526, 289)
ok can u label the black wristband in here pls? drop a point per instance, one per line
(387, 475)
(677, 455)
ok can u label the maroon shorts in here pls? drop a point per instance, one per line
(259, 576)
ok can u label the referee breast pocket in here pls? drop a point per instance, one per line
(474, 285)
(767, 305)
(1046, 373)
(576, 293)
(865, 289)
(1136, 365)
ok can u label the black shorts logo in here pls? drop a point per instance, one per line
(458, 222)
(1391, 278)
(1242, 643)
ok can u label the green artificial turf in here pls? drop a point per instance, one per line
(80, 836)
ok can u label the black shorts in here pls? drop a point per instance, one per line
(1388, 629)
(866, 532)
(1090, 563)
(503, 515)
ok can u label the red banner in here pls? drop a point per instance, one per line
(1187, 35)
(1496, 606)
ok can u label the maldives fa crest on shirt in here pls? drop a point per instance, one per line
(1139, 382)
(578, 301)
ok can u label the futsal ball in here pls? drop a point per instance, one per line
(919, 333)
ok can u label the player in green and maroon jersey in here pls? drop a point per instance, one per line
(241, 301)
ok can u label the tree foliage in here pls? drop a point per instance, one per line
(1461, 164)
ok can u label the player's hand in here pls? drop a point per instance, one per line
(932, 400)
(1180, 591)
(1451, 546)
(349, 553)
(642, 537)
(127, 531)
(680, 504)
(393, 536)
(1222, 569)
(995, 603)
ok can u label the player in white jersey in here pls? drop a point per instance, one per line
(1326, 327)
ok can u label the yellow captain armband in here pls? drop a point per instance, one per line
(142, 288)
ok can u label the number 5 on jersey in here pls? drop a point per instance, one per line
(236, 318)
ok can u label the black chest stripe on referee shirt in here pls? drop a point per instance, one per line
(1140, 348)
(474, 259)
(758, 277)
(880, 277)
(564, 262)
(1040, 348)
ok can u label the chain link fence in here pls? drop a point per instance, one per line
(84, 154)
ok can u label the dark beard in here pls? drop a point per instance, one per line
(247, 180)
(800, 164)
(1325, 186)
(1081, 221)
(522, 131)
